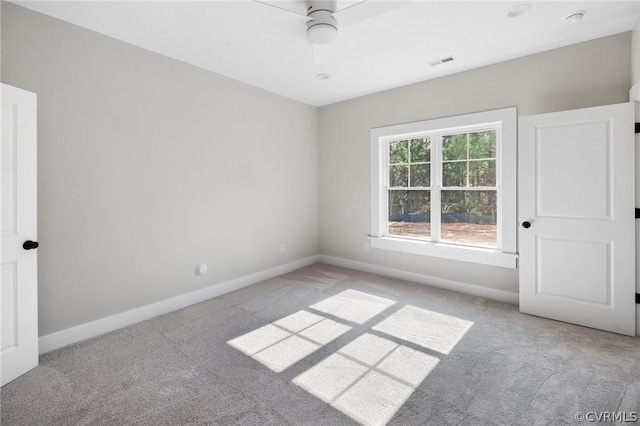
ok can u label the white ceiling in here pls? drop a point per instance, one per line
(259, 45)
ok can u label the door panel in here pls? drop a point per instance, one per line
(18, 295)
(9, 294)
(576, 188)
(9, 150)
(590, 283)
(570, 153)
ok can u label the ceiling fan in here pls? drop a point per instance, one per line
(324, 17)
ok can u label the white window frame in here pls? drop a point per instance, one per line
(505, 254)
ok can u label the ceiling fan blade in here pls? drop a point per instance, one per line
(367, 9)
(320, 54)
(290, 10)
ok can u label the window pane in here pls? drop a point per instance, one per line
(454, 147)
(482, 173)
(454, 174)
(482, 144)
(469, 217)
(420, 174)
(398, 152)
(421, 150)
(399, 175)
(409, 213)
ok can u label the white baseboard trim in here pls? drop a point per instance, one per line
(95, 328)
(473, 290)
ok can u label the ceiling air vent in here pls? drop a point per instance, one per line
(442, 61)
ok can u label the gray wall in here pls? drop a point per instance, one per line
(149, 166)
(588, 74)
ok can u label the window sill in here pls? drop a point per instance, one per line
(485, 256)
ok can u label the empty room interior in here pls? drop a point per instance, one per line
(320, 212)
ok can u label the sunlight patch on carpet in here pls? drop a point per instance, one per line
(431, 330)
(354, 306)
(282, 343)
(375, 373)
(369, 379)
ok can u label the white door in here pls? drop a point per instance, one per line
(19, 280)
(576, 205)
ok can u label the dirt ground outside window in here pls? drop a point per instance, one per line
(478, 234)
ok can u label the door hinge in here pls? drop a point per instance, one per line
(638, 298)
(637, 127)
(637, 213)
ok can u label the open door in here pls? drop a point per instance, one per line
(576, 203)
(19, 261)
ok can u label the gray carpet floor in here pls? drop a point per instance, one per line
(331, 346)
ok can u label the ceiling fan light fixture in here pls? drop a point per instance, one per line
(322, 34)
(323, 28)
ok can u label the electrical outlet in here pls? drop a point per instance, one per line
(366, 246)
(282, 248)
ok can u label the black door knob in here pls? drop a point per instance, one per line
(28, 245)
(526, 225)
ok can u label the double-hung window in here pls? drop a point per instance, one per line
(446, 187)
